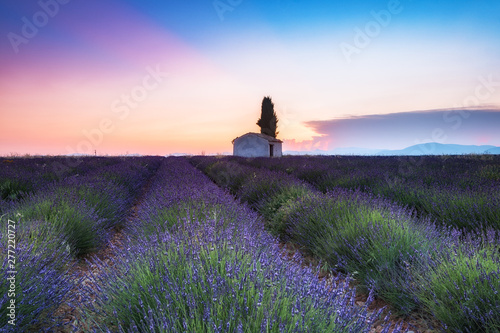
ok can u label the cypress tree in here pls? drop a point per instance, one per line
(268, 121)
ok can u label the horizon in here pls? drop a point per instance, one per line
(422, 149)
(158, 79)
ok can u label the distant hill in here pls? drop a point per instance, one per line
(434, 148)
(495, 150)
(431, 148)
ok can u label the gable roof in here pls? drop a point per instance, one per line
(263, 136)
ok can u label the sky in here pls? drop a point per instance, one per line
(162, 77)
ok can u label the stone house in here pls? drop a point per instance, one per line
(257, 145)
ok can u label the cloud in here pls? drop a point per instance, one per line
(316, 143)
(403, 129)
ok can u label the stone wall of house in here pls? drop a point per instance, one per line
(278, 149)
(254, 146)
(251, 146)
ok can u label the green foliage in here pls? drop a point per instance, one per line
(256, 189)
(227, 174)
(13, 189)
(106, 203)
(50, 176)
(208, 290)
(451, 208)
(489, 172)
(378, 249)
(77, 228)
(464, 283)
(168, 218)
(40, 235)
(410, 263)
(41, 280)
(276, 207)
(460, 191)
(326, 182)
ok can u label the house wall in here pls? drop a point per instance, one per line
(251, 146)
(278, 149)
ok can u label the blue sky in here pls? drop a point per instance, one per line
(321, 61)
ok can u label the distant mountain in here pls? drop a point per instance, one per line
(495, 151)
(431, 148)
(434, 148)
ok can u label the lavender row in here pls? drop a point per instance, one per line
(198, 261)
(66, 219)
(31, 293)
(461, 191)
(409, 262)
(84, 208)
(22, 176)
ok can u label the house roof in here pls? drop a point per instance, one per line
(263, 136)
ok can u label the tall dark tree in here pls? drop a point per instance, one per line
(268, 121)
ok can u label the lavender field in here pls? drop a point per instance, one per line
(195, 244)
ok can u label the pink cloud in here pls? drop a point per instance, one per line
(317, 143)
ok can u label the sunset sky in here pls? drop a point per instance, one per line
(162, 77)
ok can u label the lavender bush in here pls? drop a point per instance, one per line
(196, 281)
(462, 288)
(81, 228)
(19, 176)
(84, 208)
(398, 252)
(216, 270)
(65, 213)
(461, 191)
(41, 281)
(374, 240)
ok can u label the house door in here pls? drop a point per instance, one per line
(271, 150)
